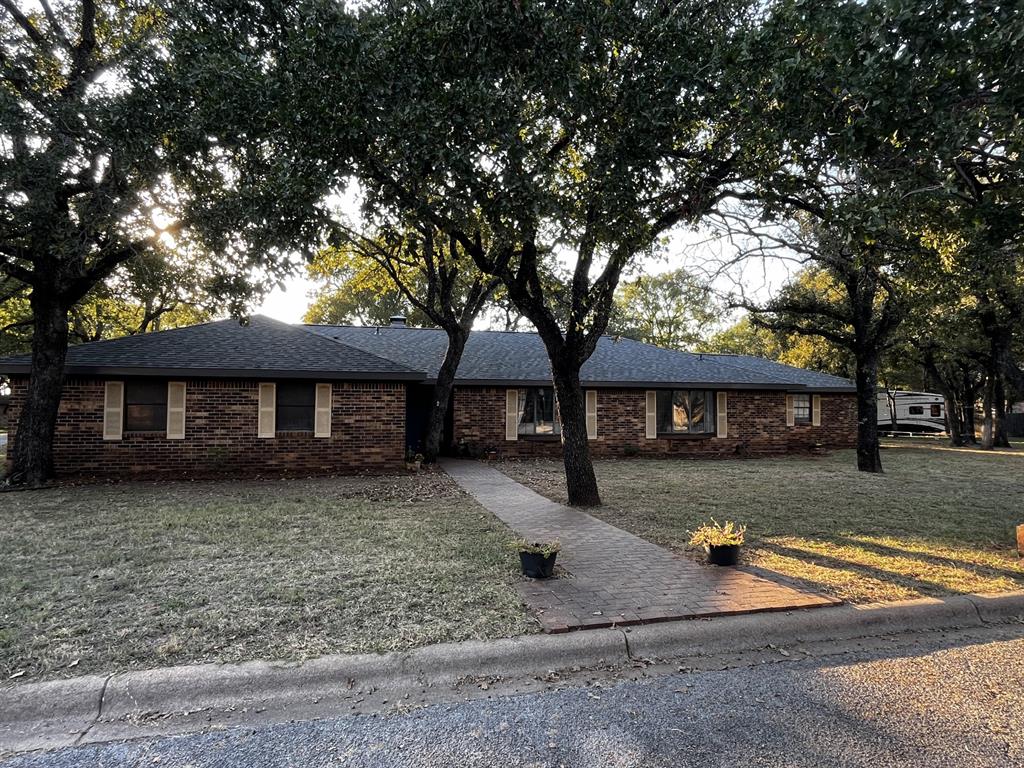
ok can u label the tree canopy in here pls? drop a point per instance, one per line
(671, 309)
(89, 101)
(150, 146)
(354, 290)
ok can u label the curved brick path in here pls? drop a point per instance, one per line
(613, 576)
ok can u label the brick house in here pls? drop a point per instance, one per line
(267, 397)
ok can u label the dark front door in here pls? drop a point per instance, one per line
(418, 399)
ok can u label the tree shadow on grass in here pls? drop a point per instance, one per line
(885, 550)
(921, 586)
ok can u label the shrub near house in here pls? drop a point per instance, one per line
(268, 397)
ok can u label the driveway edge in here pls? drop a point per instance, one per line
(62, 713)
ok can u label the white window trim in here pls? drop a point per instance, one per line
(511, 414)
(591, 396)
(792, 420)
(651, 414)
(176, 415)
(721, 414)
(322, 408)
(113, 410)
(266, 420)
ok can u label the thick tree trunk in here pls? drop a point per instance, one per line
(580, 480)
(989, 423)
(966, 399)
(953, 425)
(443, 393)
(1000, 338)
(950, 399)
(33, 442)
(970, 428)
(890, 398)
(869, 457)
(1000, 439)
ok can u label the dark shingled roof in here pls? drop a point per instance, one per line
(226, 348)
(271, 348)
(498, 357)
(809, 379)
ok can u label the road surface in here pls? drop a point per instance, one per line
(945, 700)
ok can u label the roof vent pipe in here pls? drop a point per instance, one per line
(398, 321)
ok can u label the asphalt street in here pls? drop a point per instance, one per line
(946, 701)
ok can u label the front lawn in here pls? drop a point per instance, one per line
(104, 578)
(939, 521)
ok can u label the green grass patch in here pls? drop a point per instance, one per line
(939, 521)
(102, 578)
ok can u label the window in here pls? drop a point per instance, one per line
(917, 410)
(802, 409)
(145, 406)
(537, 412)
(936, 410)
(685, 412)
(296, 406)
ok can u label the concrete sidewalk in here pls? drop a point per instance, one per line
(186, 699)
(613, 578)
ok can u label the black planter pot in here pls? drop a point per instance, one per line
(723, 554)
(538, 566)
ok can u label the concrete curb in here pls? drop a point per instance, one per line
(65, 712)
(995, 609)
(332, 680)
(731, 634)
(45, 715)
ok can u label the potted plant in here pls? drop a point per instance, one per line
(538, 558)
(492, 454)
(413, 461)
(721, 542)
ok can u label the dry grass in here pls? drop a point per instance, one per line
(938, 522)
(103, 578)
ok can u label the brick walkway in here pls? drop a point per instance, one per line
(613, 577)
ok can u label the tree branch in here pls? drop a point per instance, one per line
(25, 23)
(58, 30)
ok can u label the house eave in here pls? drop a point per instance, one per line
(222, 373)
(414, 377)
(725, 386)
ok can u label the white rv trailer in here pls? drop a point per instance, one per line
(915, 412)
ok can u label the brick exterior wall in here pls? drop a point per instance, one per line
(367, 433)
(757, 426)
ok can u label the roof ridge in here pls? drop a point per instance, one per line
(331, 340)
(412, 328)
(774, 362)
(99, 342)
(152, 333)
(149, 334)
(619, 336)
(751, 370)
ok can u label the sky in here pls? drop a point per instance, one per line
(701, 251)
(698, 251)
(288, 305)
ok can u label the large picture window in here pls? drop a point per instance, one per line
(686, 412)
(145, 406)
(538, 414)
(296, 406)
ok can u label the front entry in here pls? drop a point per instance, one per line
(418, 401)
